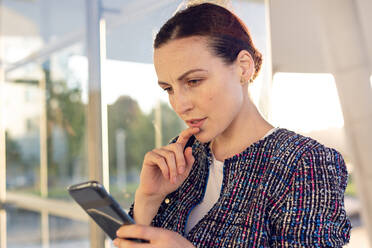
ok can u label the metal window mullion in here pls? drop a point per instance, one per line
(158, 125)
(43, 141)
(61, 208)
(45, 229)
(266, 88)
(3, 228)
(98, 166)
(2, 136)
(44, 164)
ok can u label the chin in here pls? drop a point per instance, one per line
(203, 137)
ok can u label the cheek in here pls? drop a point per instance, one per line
(171, 101)
(210, 97)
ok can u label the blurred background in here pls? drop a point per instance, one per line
(79, 100)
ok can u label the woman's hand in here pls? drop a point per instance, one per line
(158, 237)
(164, 169)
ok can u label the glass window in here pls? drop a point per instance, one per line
(137, 109)
(66, 102)
(28, 26)
(23, 228)
(46, 84)
(45, 105)
(66, 233)
(22, 112)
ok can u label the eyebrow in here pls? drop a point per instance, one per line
(180, 78)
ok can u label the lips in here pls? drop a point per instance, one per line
(195, 122)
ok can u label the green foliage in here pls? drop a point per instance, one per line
(351, 187)
(140, 133)
(13, 153)
(64, 110)
(172, 125)
(126, 114)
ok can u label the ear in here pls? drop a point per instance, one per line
(245, 64)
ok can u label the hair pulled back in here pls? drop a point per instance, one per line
(227, 35)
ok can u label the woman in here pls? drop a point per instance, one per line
(243, 183)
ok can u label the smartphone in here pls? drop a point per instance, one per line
(101, 207)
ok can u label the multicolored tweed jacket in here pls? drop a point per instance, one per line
(285, 190)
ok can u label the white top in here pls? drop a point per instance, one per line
(212, 192)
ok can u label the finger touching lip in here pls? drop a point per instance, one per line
(186, 134)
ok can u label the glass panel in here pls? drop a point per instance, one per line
(27, 26)
(51, 96)
(23, 228)
(66, 233)
(22, 112)
(137, 107)
(66, 89)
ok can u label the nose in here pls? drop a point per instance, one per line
(181, 103)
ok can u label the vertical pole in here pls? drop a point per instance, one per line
(96, 122)
(120, 137)
(104, 129)
(2, 160)
(266, 89)
(45, 229)
(2, 128)
(2, 145)
(2, 228)
(43, 133)
(43, 140)
(158, 126)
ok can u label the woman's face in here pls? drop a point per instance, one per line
(203, 91)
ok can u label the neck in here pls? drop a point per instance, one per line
(246, 129)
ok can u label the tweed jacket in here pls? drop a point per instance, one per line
(285, 190)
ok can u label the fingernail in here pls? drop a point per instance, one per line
(182, 169)
(116, 242)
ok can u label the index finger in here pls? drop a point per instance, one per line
(137, 231)
(186, 134)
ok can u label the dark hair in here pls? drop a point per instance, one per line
(226, 32)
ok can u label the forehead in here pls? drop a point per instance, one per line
(179, 45)
(183, 54)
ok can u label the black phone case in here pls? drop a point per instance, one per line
(101, 207)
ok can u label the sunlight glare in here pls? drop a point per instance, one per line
(305, 102)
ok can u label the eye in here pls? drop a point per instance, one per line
(194, 81)
(168, 89)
